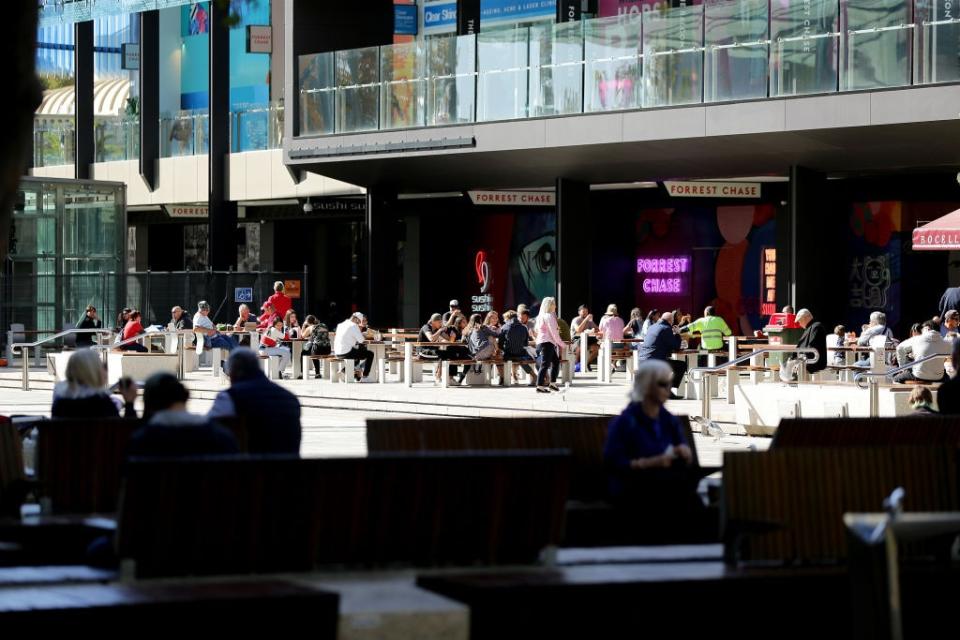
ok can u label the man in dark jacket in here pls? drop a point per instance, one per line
(270, 412)
(660, 343)
(950, 300)
(948, 395)
(814, 336)
(514, 341)
(88, 321)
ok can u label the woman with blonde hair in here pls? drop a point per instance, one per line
(549, 346)
(84, 394)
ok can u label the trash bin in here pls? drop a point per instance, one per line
(782, 329)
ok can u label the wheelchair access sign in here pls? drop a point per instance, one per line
(243, 294)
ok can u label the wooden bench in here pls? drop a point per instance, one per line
(787, 505)
(278, 513)
(846, 432)
(170, 608)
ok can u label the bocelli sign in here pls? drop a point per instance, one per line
(664, 276)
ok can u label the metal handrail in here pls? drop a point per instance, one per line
(136, 338)
(705, 371)
(30, 345)
(892, 372)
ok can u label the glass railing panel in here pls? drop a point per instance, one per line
(938, 41)
(736, 49)
(504, 67)
(184, 134)
(450, 69)
(53, 142)
(256, 128)
(673, 56)
(878, 44)
(804, 47)
(116, 139)
(317, 94)
(402, 97)
(358, 90)
(556, 69)
(612, 64)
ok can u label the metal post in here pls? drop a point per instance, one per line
(893, 581)
(733, 377)
(25, 355)
(874, 386)
(584, 353)
(704, 396)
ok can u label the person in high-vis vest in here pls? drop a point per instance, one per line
(712, 329)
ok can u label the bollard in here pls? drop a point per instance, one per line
(408, 364)
(704, 396)
(606, 366)
(25, 354)
(584, 352)
(874, 386)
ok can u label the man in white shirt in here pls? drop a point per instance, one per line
(928, 343)
(212, 338)
(348, 343)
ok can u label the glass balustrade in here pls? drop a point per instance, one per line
(184, 134)
(54, 142)
(736, 50)
(116, 139)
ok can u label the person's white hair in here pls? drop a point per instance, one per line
(803, 313)
(878, 318)
(649, 373)
(667, 317)
(548, 305)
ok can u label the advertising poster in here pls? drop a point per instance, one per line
(609, 8)
(874, 266)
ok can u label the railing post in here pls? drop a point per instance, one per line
(874, 396)
(25, 356)
(606, 366)
(733, 377)
(705, 396)
(584, 352)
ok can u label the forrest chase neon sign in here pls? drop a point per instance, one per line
(663, 275)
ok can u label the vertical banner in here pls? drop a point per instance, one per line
(569, 10)
(468, 17)
(401, 75)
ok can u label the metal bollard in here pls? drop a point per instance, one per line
(874, 386)
(704, 396)
(25, 354)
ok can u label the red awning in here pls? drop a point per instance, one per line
(943, 234)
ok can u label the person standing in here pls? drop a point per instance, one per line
(949, 301)
(348, 343)
(270, 412)
(88, 321)
(948, 395)
(280, 301)
(549, 346)
(211, 337)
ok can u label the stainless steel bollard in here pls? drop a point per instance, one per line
(25, 355)
(704, 396)
(874, 386)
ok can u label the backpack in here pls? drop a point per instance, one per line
(319, 341)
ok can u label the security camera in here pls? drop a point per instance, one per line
(307, 207)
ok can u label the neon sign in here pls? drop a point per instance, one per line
(675, 266)
(483, 302)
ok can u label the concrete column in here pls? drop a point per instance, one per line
(574, 246)
(223, 212)
(83, 95)
(149, 97)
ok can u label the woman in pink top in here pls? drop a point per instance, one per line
(611, 325)
(549, 346)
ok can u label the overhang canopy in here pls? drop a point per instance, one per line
(943, 234)
(109, 99)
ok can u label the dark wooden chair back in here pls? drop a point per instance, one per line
(583, 436)
(279, 513)
(787, 505)
(237, 425)
(844, 432)
(79, 461)
(11, 467)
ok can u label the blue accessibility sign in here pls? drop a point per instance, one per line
(243, 294)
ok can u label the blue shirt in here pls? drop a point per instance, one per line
(633, 434)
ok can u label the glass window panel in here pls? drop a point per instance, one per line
(612, 64)
(938, 51)
(503, 92)
(403, 85)
(673, 56)
(556, 69)
(737, 44)
(358, 90)
(451, 79)
(877, 50)
(317, 93)
(804, 41)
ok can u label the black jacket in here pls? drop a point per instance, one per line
(86, 322)
(272, 415)
(514, 339)
(169, 441)
(948, 397)
(949, 301)
(93, 406)
(815, 337)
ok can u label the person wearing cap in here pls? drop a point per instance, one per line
(211, 337)
(348, 343)
(268, 317)
(454, 309)
(712, 329)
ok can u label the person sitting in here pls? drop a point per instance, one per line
(612, 326)
(348, 343)
(787, 309)
(290, 324)
(481, 336)
(435, 330)
(523, 316)
(648, 459)
(814, 336)
(653, 317)
(271, 413)
(179, 320)
(712, 329)
(83, 393)
(271, 344)
(584, 323)
(317, 338)
(837, 340)
(212, 339)
(268, 317)
(280, 301)
(928, 343)
(950, 325)
(170, 430)
(88, 321)
(635, 324)
(122, 318)
(662, 341)
(454, 309)
(876, 329)
(921, 401)
(240, 326)
(133, 329)
(515, 342)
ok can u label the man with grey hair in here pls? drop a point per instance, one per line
(814, 336)
(877, 327)
(179, 319)
(661, 341)
(211, 337)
